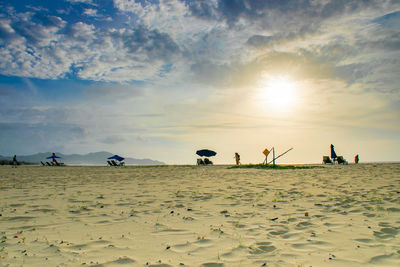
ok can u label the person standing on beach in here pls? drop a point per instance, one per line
(54, 158)
(15, 162)
(356, 159)
(237, 158)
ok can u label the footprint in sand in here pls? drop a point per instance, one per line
(280, 231)
(312, 245)
(303, 225)
(212, 264)
(262, 247)
(16, 205)
(236, 253)
(364, 240)
(203, 242)
(386, 232)
(393, 209)
(182, 248)
(44, 210)
(292, 236)
(160, 265)
(19, 218)
(121, 261)
(386, 260)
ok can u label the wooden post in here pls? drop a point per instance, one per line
(273, 160)
(273, 154)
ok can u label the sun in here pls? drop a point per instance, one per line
(278, 93)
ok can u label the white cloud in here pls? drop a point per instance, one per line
(90, 2)
(90, 12)
(193, 36)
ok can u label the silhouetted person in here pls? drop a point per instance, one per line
(356, 159)
(15, 162)
(237, 158)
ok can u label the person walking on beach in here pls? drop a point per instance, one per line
(356, 159)
(15, 162)
(237, 158)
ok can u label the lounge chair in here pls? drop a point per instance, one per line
(43, 164)
(109, 163)
(48, 163)
(208, 162)
(341, 160)
(114, 163)
(200, 162)
(59, 163)
(326, 160)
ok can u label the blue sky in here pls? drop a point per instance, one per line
(161, 79)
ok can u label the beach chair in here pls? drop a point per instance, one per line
(59, 163)
(48, 163)
(327, 160)
(42, 163)
(109, 163)
(114, 163)
(208, 162)
(341, 160)
(200, 162)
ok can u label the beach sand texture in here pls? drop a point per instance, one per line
(200, 216)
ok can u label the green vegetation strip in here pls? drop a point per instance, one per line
(270, 166)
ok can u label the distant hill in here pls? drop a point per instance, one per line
(96, 158)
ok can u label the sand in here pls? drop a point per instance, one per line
(200, 216)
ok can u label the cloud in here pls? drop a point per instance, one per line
(114, 139)
(164, 40)
(156, 45)
(34, 114)
(90, 12)
(114, 91)
(89, 2)
(51, 48)
(203, 9)
(34, 137)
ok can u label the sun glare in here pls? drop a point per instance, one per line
(278, 93)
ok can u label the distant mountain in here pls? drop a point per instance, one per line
(96, 158)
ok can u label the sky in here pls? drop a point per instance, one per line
(162, 79)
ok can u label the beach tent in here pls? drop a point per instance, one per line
(206, 153)
(119, 158)
(54, 161)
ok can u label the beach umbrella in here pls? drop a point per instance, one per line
(206, 153)
(333, 153)
(53, 157)
(116, 157)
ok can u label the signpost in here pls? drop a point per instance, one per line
(266, 153)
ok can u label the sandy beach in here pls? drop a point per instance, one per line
(200, 216)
